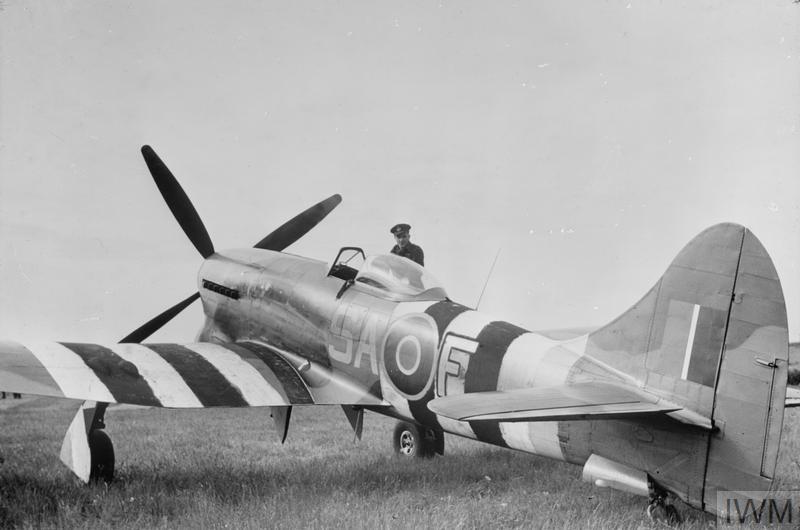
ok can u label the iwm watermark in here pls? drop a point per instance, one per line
(758, 508)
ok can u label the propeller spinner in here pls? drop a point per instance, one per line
(186, 215)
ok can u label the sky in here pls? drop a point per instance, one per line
(586, 142)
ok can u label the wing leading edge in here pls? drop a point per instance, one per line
(576, 401)
(197, 375)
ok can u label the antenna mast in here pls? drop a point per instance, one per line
(488, 277)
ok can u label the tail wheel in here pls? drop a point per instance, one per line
(102, 451)
(660, 511)
(410, 440)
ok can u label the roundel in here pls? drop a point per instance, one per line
(408, 354)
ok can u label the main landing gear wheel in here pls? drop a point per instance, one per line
(410, 440)
(102, 452)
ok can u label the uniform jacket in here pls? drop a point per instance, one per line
(410, 251)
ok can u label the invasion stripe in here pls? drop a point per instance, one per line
(484, 366)
(420, 411)
(469, 324)
(121, 377)
(443, 314)
(545, 438)
(75, 379)
(264, 370)
(292, 383)
(484, 370)
(210, 387)
(167, 384)
(517, 435)
(253, 387)
(524, 357)
(465, 322)
(534, 360)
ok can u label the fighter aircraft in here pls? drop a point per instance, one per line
(681, 396)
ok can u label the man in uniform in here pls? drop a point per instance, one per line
(404, 246)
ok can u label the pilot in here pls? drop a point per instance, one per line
(404, 246)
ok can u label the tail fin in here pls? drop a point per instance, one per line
(712, 336)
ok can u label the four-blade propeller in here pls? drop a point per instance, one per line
(186, 215)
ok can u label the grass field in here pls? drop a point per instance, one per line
(226, 469)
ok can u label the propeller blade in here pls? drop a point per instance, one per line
(299, 225)
(178, 202)
(186, 215)
(156, 323)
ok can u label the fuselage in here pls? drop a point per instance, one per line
(412, 348)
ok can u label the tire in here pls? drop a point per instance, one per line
(409, 441)
(102, 452)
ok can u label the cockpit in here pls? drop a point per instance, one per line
(386, 275)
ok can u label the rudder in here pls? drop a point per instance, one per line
(751, 381)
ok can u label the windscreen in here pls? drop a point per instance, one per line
(401, 276)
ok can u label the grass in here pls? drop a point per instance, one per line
(226, 469)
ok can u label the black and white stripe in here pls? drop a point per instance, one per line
(167, 375)
(507, 357)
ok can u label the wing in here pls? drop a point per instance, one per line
(176, 375)
(577, 401)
